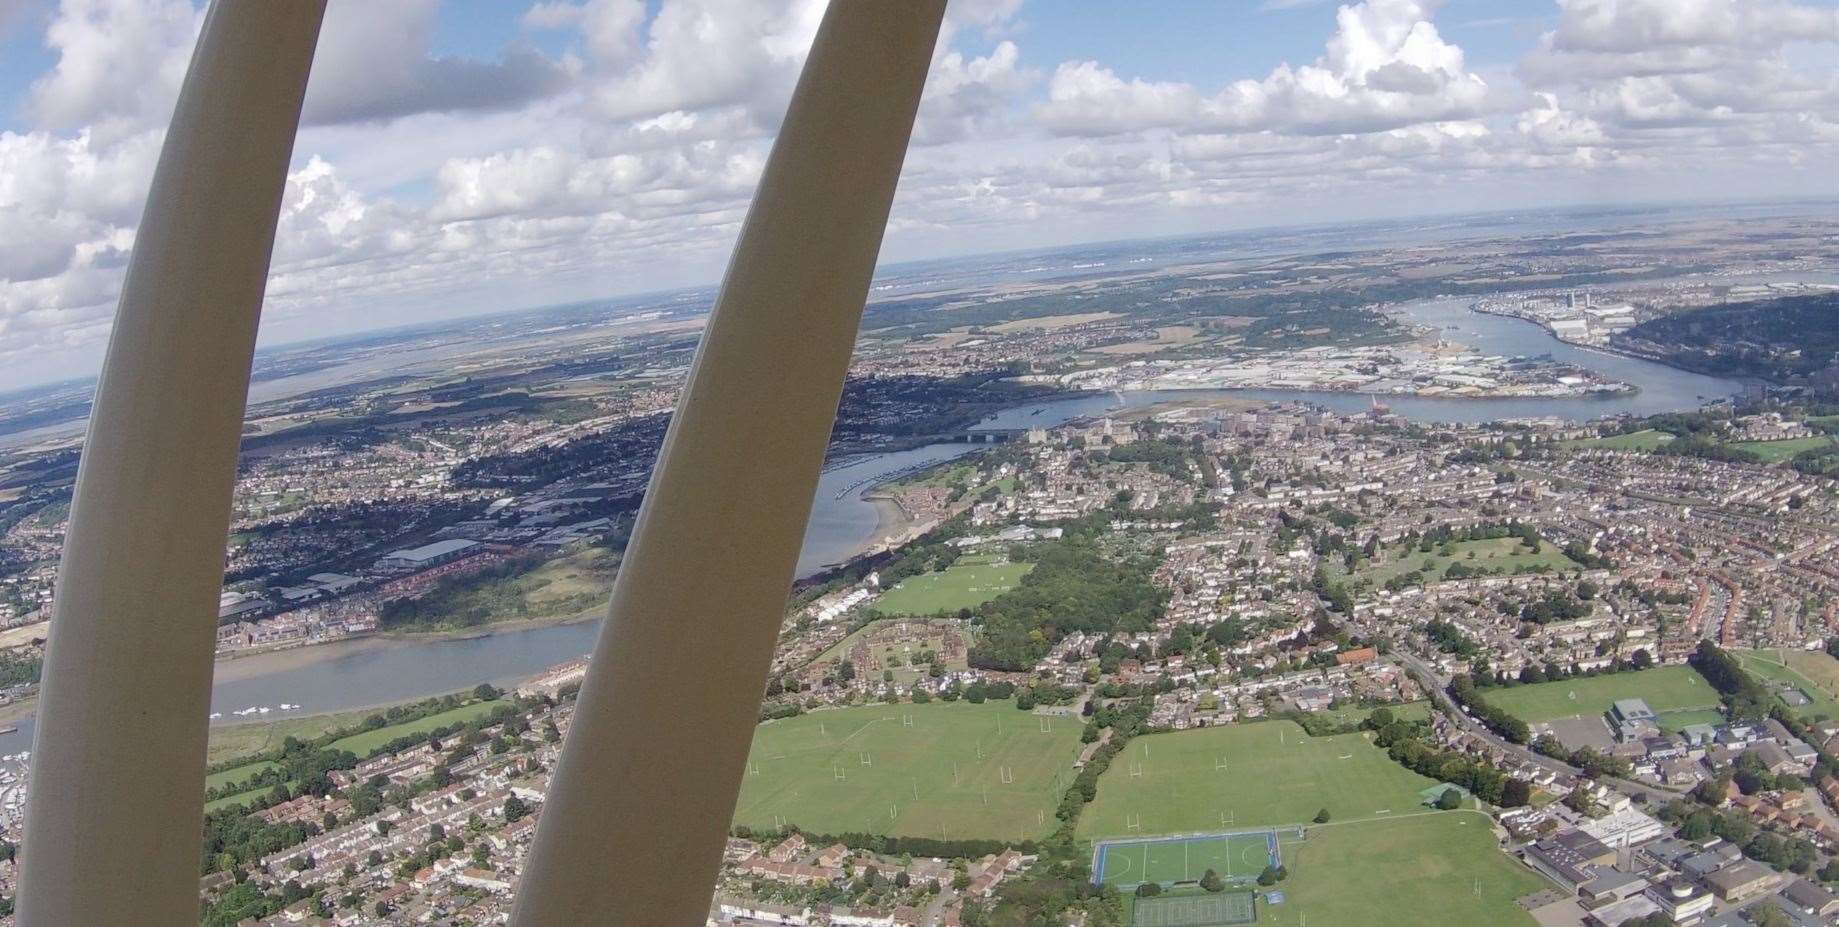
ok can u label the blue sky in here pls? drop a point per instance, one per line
(478, 155)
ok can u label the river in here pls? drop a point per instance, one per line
(362, 673)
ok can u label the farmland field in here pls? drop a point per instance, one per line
(968, 583)
(956, 771)
(1245, 775)
(1665, 688)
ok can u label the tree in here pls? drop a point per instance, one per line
(1768, 915)
(1641, 659)
(1321, 817)
(1450, 800)
(515, 810)
(1211, 881)
(1515, 793)
(1149, 890)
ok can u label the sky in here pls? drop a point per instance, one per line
(483, 155)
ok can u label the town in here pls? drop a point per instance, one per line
(1616, 655)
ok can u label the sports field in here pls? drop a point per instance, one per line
(1812, 671)
(1777, 451)
(1665, 688)
(1436, 868)
(968, 583)
(1168, 860)
(1645, 440)
(1207, 910)
(1242, 776)
(946, 770)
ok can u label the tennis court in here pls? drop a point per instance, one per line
(1214, 910)
(1235, 857)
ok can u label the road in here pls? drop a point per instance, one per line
(1437, 685)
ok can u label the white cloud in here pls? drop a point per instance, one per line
(373, 63)
(119, 64)
(1385, 67)
(1638, 66)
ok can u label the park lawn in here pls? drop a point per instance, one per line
(562, 587)
(568, 584)
(1354, 714)
(1437, 868)
(958, 771)
(1778, 451)
(965, 584)
(1498, 555)
(1273, 774)
(1644, 440)
(1813, 672)
(239, 774)
(240, 798)
(365, 743)
(229, 741)
(952, 473)
(1665, 688)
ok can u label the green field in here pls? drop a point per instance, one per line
(240, 798)
(1778, 451)
(1675, 721)
(1354, 714)
(1438, 868)
(561, 587)
(968, 583)
(1245, 775)
(1231, 856)
(956, 771)
(1813, 672)
(1666, 688)
(1499, 555)
(1644, 440)
(239, 774)
(368, 742)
